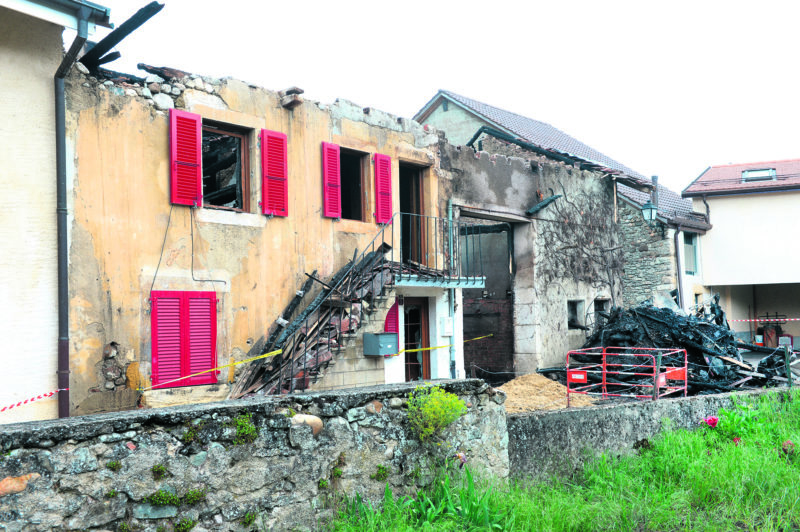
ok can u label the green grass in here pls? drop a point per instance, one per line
(686, 480)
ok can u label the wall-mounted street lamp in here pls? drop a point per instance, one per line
(650, 209)
(649, 212)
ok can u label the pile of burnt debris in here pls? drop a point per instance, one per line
(714, 358)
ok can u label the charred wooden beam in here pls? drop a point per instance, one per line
(94, 57)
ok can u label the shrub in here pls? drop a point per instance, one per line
(323, 483)
(336, 473)
(246, 432)
(430, 409)
(249, 518)
(114, 465)
(111, 493)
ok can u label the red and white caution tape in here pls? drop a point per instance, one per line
(770, 320)
(32, 399)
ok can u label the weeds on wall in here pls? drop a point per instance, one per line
(114, 465)
(431, 409)
(246, 432)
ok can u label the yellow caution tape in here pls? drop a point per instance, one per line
(432, 348)
(265, 355)
(279, 351)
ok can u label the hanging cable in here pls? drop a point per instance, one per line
(161, 255)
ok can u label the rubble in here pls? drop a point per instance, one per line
(715, 362)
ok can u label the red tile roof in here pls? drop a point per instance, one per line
(727, 179)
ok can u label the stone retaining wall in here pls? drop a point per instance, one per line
(547, 443)
(341, 443)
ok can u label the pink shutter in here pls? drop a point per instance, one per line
(186, 158)
(200, 328)
(331, 182)
(383, 188)
(391, 325)
(165, 324)
(274, 174)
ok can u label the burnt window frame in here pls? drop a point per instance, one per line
(243, 134)
(363, 195)
(580, 315)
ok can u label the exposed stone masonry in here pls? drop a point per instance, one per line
(97, 471)
(649, 257)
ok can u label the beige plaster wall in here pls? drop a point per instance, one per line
(122, 216)
(30, 51)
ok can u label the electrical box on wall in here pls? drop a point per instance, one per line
(380, 344)
(446, 326)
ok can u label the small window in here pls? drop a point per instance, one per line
(761, 174)
(575, 314)
(690, 253)
(225, 167)
(600, 306)
(444, 106)
(351, 164)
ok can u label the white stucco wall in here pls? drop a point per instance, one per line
(30, 51)
(751, 241)
(438, 307)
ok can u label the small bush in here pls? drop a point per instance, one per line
(124, 527)
(430, 409)
(246, 432)
(163, 498)
(111, 494)
(159, 471)
(194, 496)
(249, 518)
(114, 465)
(323, 483)
(336, 473)
(185, 525)
(381, 474)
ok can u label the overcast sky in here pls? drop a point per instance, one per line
(666, 88)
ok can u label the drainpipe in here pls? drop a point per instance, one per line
(452, 291)
(61, 209)
(678, 265)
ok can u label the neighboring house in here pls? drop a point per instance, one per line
(31, 53)
(604, 253)
(750, 257)
(199, 207)
(555, 247)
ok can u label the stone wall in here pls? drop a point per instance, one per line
(559, 442)
(341, 438)
(649, 257)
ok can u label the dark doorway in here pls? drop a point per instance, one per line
(412, 229)
(491, 310)
(418, 363)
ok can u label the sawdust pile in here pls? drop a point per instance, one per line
(537, 392)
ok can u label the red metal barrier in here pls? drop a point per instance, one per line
(657, 372)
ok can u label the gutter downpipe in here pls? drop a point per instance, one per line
(61, 209)
(678, 265)
(452, 291)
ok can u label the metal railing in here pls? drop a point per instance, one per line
(432, 251)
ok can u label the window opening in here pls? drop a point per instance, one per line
(600, 306)
(690, 253)
(575, 314)
(761, 174)
(225, 168)
(351, 164)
